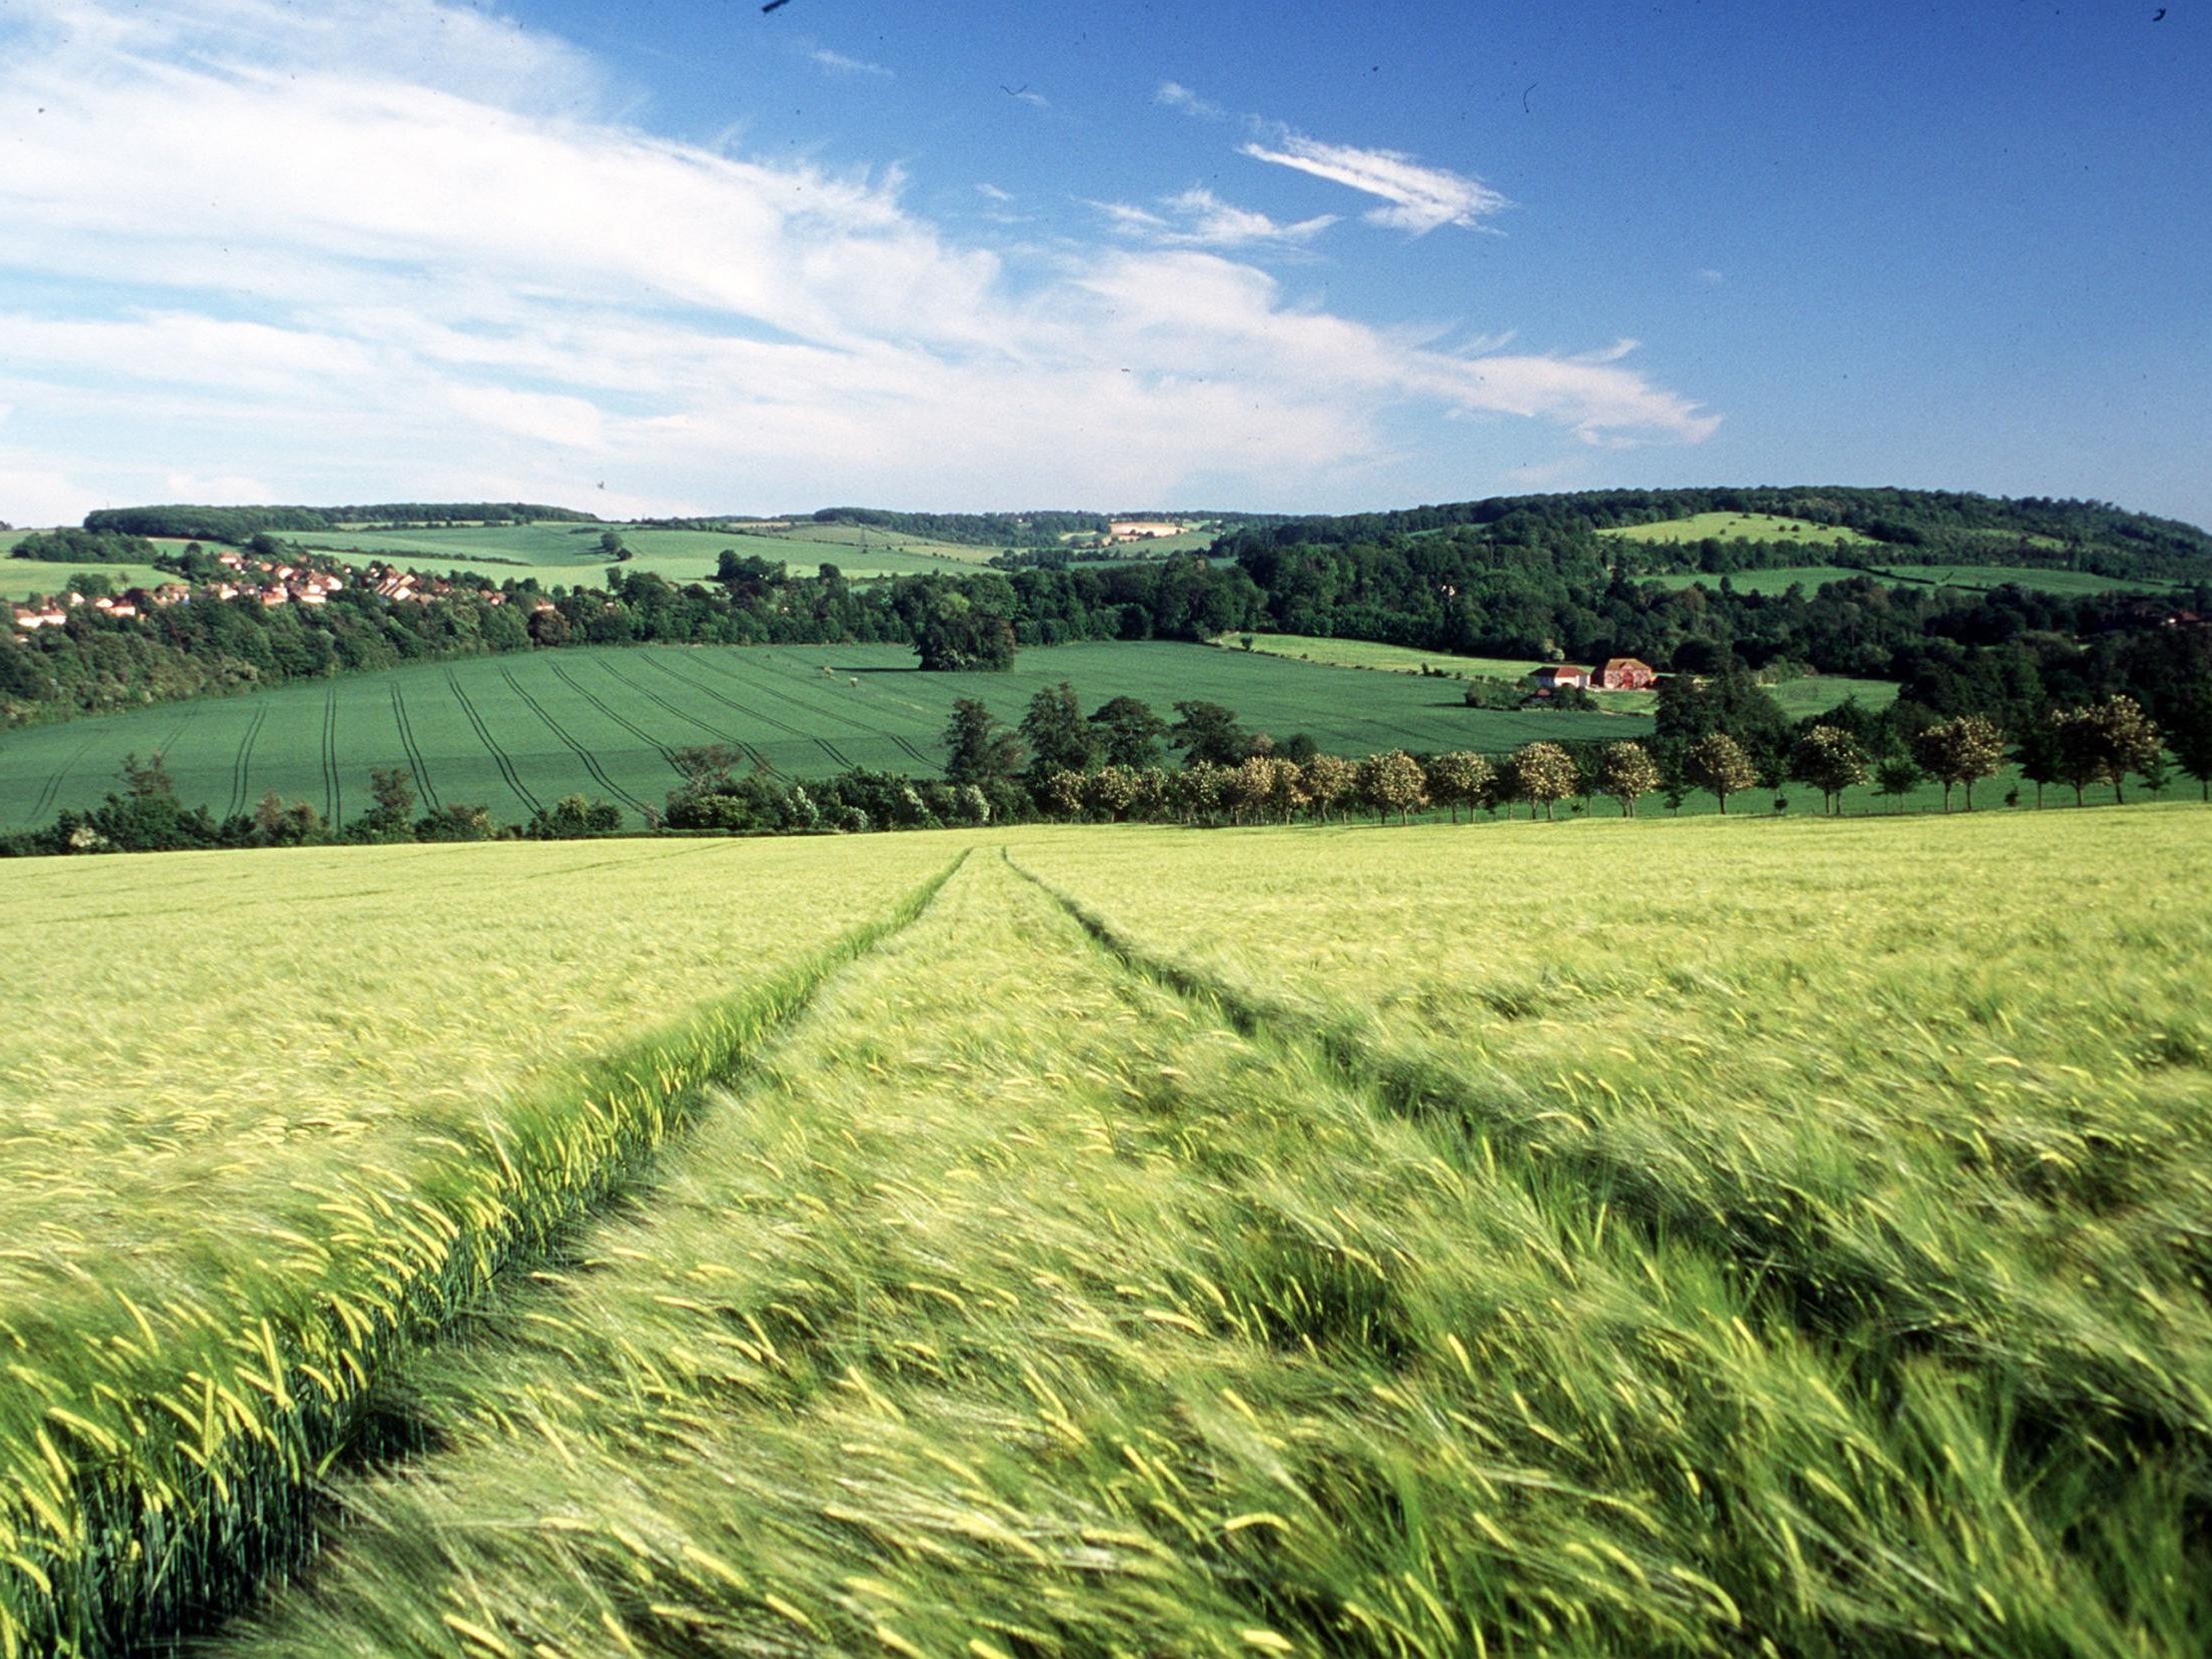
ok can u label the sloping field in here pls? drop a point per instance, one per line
(564, 552)
(1781, 580)
(1623, 1238)
(1367, 653)
(1742, 526)
(516, 731)
(1981, 579)
(21, 577)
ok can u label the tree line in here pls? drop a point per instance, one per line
(236, 524)
(1113, 765)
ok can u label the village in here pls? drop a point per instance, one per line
(264, 580)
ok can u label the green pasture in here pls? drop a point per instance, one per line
(1778, 581)
(1813, 694)
(21, 577)
(1365, 653)
(516, 731)
(569, 553)
(1817, 693)
(1982, 578)
(1742, 527)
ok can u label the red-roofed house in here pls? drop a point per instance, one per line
(1563, 674)
(1626, 673)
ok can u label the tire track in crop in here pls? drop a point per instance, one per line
(247, 1520)
(490, 744)
(414, 755)
(334, 796)
(806, 706)
(731, 704)
(682, 714)
(632, 727)
(910, 749)
(1760, 1241)
(828, 748)
(726, 701)
(54, 783)
(242, 763)
(591, 761)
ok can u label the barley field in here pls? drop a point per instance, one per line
(1613, 1238)
(264, 1121)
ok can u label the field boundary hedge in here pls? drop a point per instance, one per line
(161, 1495)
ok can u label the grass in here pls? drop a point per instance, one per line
(1742, 526)
(1629, 1238)
(1365, 653)
(1983, 577)
(521, 730)
(21, 577)
(1817, 693)
(569, 553)
(1811, 694)
(272, 1158)
(1778, 581)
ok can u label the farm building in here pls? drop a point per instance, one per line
(1626, 673)
(1553, 678)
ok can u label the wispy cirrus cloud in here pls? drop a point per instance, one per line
(1176, 96)
(838, 64)
(1418, 198)
(1196, 217)
(411, 276)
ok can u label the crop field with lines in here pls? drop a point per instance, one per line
(522, 730)
(1602, 1239)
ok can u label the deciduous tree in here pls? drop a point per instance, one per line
(1457, 779)
(2103, 743)
(979, 749)
(1545, 773)
(1058, 737)
(1895, 776)
(1129, 732)
(2189, 735)
(1959, 750)
(1209, 733)
(1717, 764)
(1831, 759)
(1627, 772)
(1392, 782)
(1329, 781)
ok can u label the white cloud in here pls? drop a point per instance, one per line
(1196, 217)
(1028, 96)
(838, 63)
(1608, 353)
(991, 193)
(1176, 96)
(406, 273)
(1421, 199)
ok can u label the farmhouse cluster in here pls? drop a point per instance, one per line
(1621, 673)
(269, 582)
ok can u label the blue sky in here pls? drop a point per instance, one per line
(675, 257)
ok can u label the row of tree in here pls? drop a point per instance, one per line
(1062, 764)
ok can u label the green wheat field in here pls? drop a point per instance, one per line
(1608, 1238)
